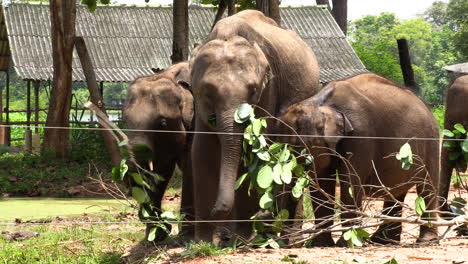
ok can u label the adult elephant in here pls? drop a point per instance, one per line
(455, 112)
(162, 102)
(247, 58)
(363, 107)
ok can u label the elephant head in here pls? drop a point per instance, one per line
(160, 102)
(320, 126)
(226, 73)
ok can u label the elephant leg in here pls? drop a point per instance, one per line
(205, 163)
(446, 170)
(428, 192)
(351, 196)
(245, 207)
(389, 232)
(324, 208)
(156, 200)
(187, 207)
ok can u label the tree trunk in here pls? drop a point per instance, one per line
(63, 18)
(340, 13)
(270, 8)
(96, 97)
(231, 7)
(180, 31)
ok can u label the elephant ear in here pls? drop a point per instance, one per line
(264, 71)
(337, 125)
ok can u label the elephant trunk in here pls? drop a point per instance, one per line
(230, 159)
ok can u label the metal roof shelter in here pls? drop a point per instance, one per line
(456, 70)
(127, 41)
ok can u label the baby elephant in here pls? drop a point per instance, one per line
(363, 107)
(162, 101)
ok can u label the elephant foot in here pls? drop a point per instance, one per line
(387, 234)
(187, 233)
(161, 233)
(323, 240)
(428, 235)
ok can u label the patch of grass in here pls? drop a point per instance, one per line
(30, 174)
(39, 208)
(203, 249)
(71, 244)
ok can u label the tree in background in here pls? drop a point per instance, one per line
(431, 47)
(270, 8)
(62, 17)
(180, 41)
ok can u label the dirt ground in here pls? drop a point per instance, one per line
(450, 250)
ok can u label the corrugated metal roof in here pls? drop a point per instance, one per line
(125, 42)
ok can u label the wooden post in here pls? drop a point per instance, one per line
(37, 85)
(2, 128)
(101, 90)
(405, 63)
(7, 130)
(96, 99)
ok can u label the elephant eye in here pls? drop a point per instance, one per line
(163, 122)
(212, 120)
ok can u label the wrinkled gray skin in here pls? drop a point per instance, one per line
(367, 105)
(456, 111)
(162, 102)
(246, 59)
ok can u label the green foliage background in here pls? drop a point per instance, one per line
(436, 39)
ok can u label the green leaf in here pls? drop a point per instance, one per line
(448, 133)
(265, 177)
(454, 155)
(266, 201)
(347, 235)
(257, 127)
(273, 244)
(392, 261)
(263, 155)
(152, 233)
(241, 179)
(248, 134)
(264, 123)
(144, 212)
(308, 159)
(116, 174)
(275, 147)
(465, 145)
(123, 143)
(350, 191)
(405, 151)
(139, 194)
(168, 215)
(449, 144)
(284, 155)
(460, 128)
(262, 141)
(123, 168)
(258, 226)
(297, 191)
(242, 113)
(283, 214)
(277, 169)
(138, 178)
(286, 174)
(419, 206)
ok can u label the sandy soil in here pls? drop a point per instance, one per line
(450, 250)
